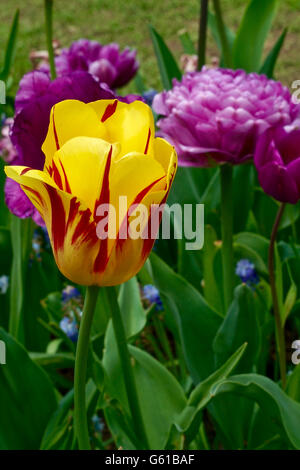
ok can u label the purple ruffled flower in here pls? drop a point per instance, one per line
(216, 115)
(277, 160)
(106, 63)
(34, 100)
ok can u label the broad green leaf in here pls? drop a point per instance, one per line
(269, 64)
(273, 401)
(160, 395)
(167, 65)
(10, 48)
(240, 325)
(202, 394)
(196, 321)
(27, 398)
(252, 33)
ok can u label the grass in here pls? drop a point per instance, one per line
(127, 23)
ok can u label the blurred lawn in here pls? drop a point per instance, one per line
(127, 23)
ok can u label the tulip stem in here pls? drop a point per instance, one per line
(48, 25)
(128, 375)
(202, 33)
(80, 418)
(227, 235)
(280, 341)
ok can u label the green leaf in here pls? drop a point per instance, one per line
(58, 360)
(21, 233)
(252, 33)
(187, 43)
(196, 321)
(131, 307)
(254, 247)
(289, 303)
(167, 65)
(27, 398)
(211, 289)
(101, 315)
(159, 393)
(10, 48)
(58, 432)
(293, 384)
(240, 325)
(202, 394)
(271, 398)
(212, 23)
(269, 64)
(243, 195)
(122, 433)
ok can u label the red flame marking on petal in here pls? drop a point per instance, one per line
(148, 140)
(109, 111)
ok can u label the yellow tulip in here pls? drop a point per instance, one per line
(95, 153)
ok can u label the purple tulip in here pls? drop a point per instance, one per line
(34, 100)
(277, 160)
(216, 115)
(106, 63)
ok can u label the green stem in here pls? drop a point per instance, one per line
(48, 25)
(227, 236)
(278, 324)
(202, 33)
(127, 369)
(80, 418)
(222, 33)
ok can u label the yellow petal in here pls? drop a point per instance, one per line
(130, 124)
(71, 228)
(68, 119)
(166, 155)
(79, 166)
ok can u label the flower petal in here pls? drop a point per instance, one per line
(78, 167)
(68, 119)
(130, 124)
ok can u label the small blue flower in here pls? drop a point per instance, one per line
(98, 424)
(149, 96)
(3, 284)
(151, 293)
(70, 292)
(70, 328)
(247, 272)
